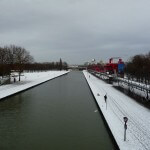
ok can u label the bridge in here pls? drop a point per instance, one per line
(77, 67)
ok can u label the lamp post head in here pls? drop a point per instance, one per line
(125, 119)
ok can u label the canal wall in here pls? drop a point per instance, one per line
(15, 88)
(115, 108)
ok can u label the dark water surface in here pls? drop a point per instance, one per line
(57, 115)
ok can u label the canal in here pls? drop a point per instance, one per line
(58, 115)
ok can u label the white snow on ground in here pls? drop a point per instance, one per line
(118, 106)
(27, 81)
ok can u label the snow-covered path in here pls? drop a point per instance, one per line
(119, 106)
(27, 81)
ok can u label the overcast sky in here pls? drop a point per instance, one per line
(76, 30)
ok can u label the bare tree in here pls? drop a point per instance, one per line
(4, 68)
(18, 59)
(21, 57)
(60, 64)
(138, 68)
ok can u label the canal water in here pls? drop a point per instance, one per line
(58, 115)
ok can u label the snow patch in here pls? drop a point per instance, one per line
(27, 81)
(119, 106)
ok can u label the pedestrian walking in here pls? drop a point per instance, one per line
(105, 98)
(14, 80)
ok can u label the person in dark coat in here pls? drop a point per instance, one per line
(105, 98)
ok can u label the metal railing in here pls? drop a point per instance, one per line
(128, 82)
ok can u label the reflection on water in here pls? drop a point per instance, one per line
(59, 114)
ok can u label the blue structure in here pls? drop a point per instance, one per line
(121, 68)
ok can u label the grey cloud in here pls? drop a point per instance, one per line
(76, 30)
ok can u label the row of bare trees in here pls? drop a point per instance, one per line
(17, 59)
(31, 67)
(138, 68)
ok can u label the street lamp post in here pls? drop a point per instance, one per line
(125, 127)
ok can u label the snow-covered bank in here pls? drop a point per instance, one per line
(119, 106)
(27, 81)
